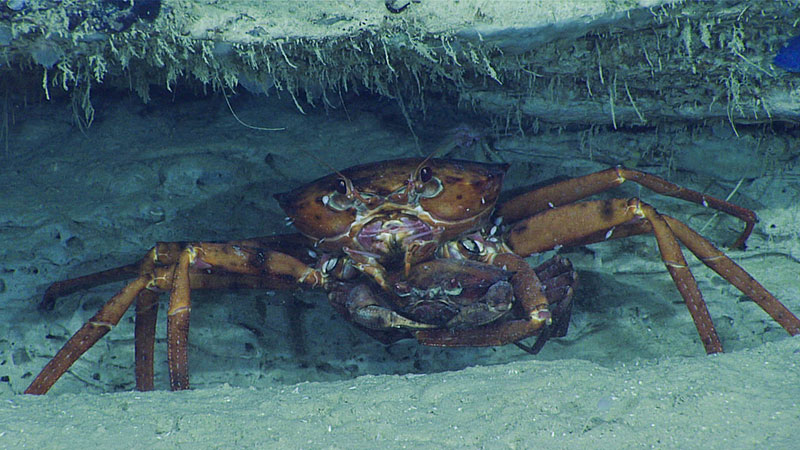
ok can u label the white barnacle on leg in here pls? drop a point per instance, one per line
(237, 251)
(329, 265)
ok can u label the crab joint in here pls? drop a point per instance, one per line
(312, 277)
(542, 315)
(620, 177)
(635, 205)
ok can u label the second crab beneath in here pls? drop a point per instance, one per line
(452, 302)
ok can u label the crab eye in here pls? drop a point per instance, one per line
(402, 289)
(427, 185)
(341, 186)
(453, 287)
(425, 174)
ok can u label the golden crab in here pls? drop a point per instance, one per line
(380, 231)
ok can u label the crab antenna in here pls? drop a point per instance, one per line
(350, 187)
(427, 158)
(347, 181)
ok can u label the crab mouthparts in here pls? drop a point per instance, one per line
(386, 236)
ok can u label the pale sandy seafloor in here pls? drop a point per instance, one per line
(747, 399)
(630, 374)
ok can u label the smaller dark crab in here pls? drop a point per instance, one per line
(454, 302)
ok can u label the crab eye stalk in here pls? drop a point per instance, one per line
(341, 186)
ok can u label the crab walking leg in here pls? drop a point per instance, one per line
(235, 267)
(66, 287)
(147, 308)
(180, 307)
(569, 191)
(100, 324)
(572, 223)
(166, 254)
(275, 267)
(145, 338)
(565, 225)
(712, 257)
(534, 313)
(232, 258)
(734, 274)
(676, 264)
